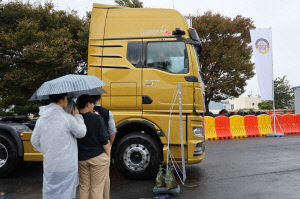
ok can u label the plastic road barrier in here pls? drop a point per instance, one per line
(210, 131)
(237, 126)
(223, 127)
(297, 123)
(279, 128)
(251, 126)
(288, 124)
(263, 122)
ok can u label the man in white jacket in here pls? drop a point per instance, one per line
(55, 136)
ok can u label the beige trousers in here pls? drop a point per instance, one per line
(94, 182)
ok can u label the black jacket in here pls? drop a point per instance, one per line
(96, 136)
(104, 114)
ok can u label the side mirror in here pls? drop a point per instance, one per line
(199, 49)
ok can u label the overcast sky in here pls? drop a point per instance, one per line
(282, 16)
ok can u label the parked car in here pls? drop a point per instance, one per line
(11, 146)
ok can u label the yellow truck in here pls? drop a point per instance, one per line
(141, 54)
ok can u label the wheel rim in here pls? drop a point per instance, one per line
(3, 155)
(136, 157)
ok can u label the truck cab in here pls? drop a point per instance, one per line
(141, 54)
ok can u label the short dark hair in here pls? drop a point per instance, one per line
(96, 97)
(56, 97)
(83, 100)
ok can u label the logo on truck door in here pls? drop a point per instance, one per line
(163, 29)
(151, 82)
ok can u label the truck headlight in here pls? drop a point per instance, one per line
(197, 131)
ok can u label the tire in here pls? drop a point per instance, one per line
(130, 152)
(251, 112)
(224, 114)
(232, 113)
(8, 155)
(241, 113)
(209, 114)
(258, 113)
(223, 111)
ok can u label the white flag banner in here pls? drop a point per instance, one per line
(262, 50)
(189, 22)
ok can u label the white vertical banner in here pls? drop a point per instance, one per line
(261, 39)
(189, 22)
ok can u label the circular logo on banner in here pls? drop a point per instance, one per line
(262, 45)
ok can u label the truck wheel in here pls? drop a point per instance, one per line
(8, 155)
(138, 156)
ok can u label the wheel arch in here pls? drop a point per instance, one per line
(136, 125)
(5, 129)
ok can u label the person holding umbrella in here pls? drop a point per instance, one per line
(55, 136)
(56, 131)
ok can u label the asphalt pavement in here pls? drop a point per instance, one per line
(260, 167)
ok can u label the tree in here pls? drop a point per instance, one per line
(265, 105)
(38, 44)
(284, 93)
(226, 57)
(130, 3)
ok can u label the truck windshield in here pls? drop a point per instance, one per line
(168, 56)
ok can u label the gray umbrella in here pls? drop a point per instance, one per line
(74, 85)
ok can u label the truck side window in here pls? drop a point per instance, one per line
(168, 56)
(134, 53)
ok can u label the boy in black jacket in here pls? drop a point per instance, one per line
(93, 153)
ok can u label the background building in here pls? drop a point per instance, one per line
(297, 99)
(245, 103)
(215, 107)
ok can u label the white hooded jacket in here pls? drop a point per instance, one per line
(55, 136)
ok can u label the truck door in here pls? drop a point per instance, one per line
(166, 64)
(122, 73)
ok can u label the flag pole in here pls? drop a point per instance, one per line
(274, 134)
(274, 114)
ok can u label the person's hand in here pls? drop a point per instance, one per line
(75, 111)
(96, 112)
